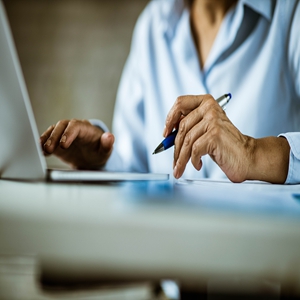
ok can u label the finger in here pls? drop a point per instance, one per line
(46, 135)
(83, 131)
(200, 148)
(75, 128)
(182, 107)
(53, 140)
(208, 115)
(185, 125)
(186, 149)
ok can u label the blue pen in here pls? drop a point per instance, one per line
(168, 142)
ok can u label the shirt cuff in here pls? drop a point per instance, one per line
(99, 124)
(294, 163)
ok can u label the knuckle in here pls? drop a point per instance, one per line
(209, 99)
(179, 102)
(51, 127)
(215, 132)
(179, 164)
(212, 115)
(205, 106)
(187, 140)
(179, 99)
(74, 122)
(182, 126)
(195, 149)
(86, 122)
(168, 120)
(60, 123)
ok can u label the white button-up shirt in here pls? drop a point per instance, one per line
(255, 57)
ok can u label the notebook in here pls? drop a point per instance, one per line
(20, 154)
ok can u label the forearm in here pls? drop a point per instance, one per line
(269, 160)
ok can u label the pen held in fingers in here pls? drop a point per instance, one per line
(168, 142)
(223, 100)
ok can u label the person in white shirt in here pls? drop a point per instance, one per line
(185, 54)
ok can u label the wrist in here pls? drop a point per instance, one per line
(269, 159)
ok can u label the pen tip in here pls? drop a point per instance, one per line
(229, 95)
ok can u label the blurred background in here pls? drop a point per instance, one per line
(72, 53)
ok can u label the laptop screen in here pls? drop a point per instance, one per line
(20, 153)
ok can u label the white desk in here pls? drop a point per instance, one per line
(106, 231)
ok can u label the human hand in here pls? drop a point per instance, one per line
(204, 128)
(78, 143)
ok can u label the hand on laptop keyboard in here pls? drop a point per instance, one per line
(78, 143)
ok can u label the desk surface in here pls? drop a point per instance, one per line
(154, 230)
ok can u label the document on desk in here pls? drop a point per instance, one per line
(249, 196)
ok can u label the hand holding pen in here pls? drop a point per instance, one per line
(170, 139)
(204, 128)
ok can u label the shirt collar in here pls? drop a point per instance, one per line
(263, 7)
(172, 13)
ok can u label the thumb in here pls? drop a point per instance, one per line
(107, 140)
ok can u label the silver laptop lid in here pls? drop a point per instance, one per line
(20, 153)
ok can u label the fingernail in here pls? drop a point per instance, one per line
(175, 172)
(48, 143)
(63, 139)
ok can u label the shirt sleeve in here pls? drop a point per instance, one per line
(129, 152)
(294, 49)
(294, 66)
(294, 162)
(100, 124)
(128, 122)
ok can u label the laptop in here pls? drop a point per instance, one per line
(21, 157)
